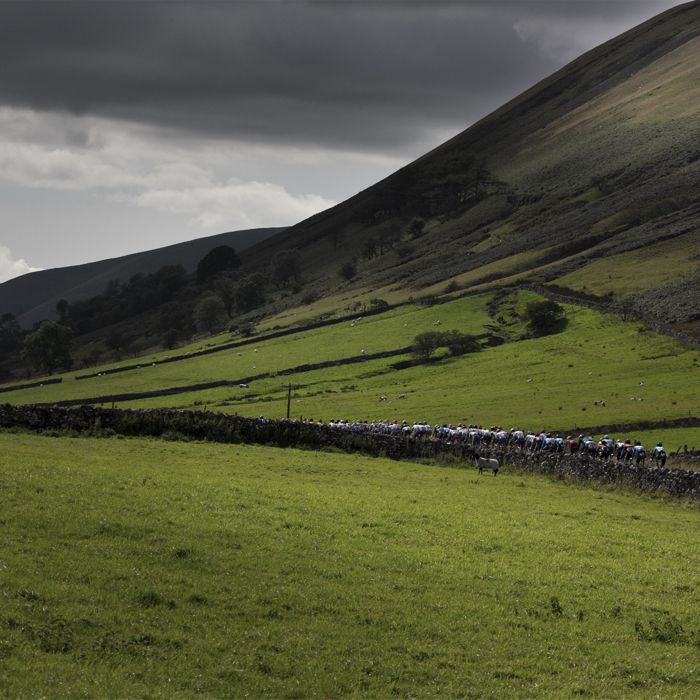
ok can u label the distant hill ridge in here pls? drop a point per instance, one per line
(33, 296)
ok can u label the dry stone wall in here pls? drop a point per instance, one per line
(676, 482)
(226, 428)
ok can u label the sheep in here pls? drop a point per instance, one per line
(402, 396)
(487, 463)
(383, 398)
(240, 354)
(242, 386)
(529, 380)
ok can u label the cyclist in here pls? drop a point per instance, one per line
(658, 455)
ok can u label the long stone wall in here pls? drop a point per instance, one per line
(676, 482)
(114, 398)
(220, 427)
(240, 343)
(226, 428)
(32, 385)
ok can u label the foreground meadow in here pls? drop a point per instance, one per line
(146, 568)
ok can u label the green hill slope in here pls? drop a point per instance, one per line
(598, 160)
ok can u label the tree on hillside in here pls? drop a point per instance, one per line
(225, 289)
(425, 344)
(49, 347)
(543, 314)
(250, 293)
(113, 288)
(210, 315)
(388, 236)
(285, 265)
(415, 228)
(62, 311)
(10, 333)
(218, 259)
(369, 248)
(459, 343)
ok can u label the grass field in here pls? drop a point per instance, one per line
(145, 568)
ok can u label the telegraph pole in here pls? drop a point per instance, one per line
(289, 399)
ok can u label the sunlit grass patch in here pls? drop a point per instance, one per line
(135, 567)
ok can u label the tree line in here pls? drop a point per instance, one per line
(169, 303)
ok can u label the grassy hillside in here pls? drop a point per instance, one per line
(550, 381)
(587, 181)
(594, 163)
(232, 571)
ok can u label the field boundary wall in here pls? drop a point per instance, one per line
(233, 429)
(241, 343)
(33, 385)
(113, 398)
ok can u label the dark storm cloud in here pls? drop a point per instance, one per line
(338, 74)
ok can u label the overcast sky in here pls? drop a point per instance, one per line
(131, 125)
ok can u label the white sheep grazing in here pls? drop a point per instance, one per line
(240, 354)
(529, 380)
(641, 383)
(487, 463)
(402, 396)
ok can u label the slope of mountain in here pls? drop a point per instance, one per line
(33, 296)
(598, 161)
